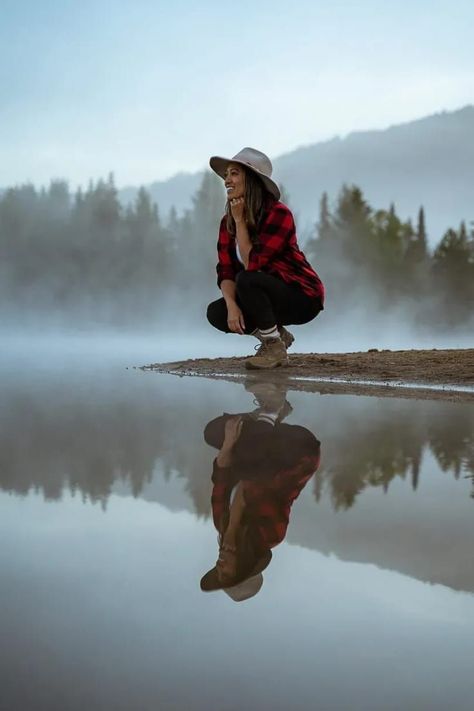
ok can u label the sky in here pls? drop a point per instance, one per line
(146, 88)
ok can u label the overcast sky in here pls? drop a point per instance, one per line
(147, 88)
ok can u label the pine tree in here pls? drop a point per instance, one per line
(354, 226)
(208, 208)
(453, 273)
(323, 227)
(415, 268)
(421, 229)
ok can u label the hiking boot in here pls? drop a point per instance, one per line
(286, 336)
(270, 354)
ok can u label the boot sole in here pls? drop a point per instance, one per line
(251, 366)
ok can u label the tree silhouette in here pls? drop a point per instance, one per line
(79, 257)
(453, 272)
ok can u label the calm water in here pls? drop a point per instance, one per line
(107, 528)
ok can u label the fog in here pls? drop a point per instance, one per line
(82, 274)
(175, 340)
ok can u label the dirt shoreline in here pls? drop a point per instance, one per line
(432, 374)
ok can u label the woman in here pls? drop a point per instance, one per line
(261, 467)
(265, 279)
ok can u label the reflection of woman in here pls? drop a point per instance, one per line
(261, 467)
(264, 277)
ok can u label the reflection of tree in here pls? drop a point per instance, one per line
(185, 453)
(371, 461)
(86, 449)
(373, 454)
(452, 441)
(54, 439)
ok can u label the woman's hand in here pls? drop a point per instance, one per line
(237, 208)
(232, 430)
(235, 319)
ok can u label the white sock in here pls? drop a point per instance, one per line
(268, 417)
(272, 332)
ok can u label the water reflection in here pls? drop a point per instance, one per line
(393, 488)
(105, 606)
(261, 467)
(87, 439)
(373, 452)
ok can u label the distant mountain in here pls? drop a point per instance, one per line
(427, 162)
(176, 191)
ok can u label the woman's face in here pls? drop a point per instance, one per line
(234, 181)
(226, 565)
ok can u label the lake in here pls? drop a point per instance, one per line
(360, 511)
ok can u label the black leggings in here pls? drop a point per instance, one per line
(265, 301)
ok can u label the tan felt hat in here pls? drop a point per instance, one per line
(257, 161)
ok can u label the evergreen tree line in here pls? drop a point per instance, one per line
(373, 258)
(83, 256)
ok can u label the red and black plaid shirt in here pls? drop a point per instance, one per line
(268, 503)
(276, 253)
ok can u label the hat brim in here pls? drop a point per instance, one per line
(214, 431)
(219, 166)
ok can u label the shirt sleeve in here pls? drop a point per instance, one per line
(225, 268)
(222, 482)
(274, 236)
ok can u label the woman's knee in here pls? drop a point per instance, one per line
(217, 314)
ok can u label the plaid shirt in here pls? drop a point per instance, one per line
(276, 253)
(268, 502)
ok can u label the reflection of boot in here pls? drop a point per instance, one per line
(285, 411)
(270, 354)
(286, 336)
(270, 397)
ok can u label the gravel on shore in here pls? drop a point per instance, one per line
(423, 373)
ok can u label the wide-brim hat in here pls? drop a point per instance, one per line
(241, 589)
(214, 431)
(254, 160)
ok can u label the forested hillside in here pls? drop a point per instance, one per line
(83, 258)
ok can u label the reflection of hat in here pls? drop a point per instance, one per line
(214, 431)
(256, 161)
(239, 590)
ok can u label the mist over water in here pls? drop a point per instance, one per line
(72, 348)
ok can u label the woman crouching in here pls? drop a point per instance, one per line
(265, 279)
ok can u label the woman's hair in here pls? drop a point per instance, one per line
(249, 546)
(257, 199)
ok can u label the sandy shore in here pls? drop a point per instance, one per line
(445, 374)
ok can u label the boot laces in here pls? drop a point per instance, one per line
(260, 347)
